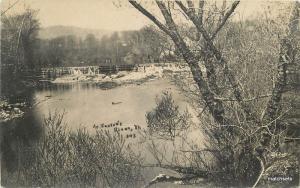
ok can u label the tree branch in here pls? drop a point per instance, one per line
(251, 99)
(3, 12)
(261, 171)
(234, 84)
(165, 178)
(166, 14)
(183, 170)
(225, 18)
(285, 57)
(200, 151)
(200, 12)
(191, 6)
(216, 107)
(149, 15)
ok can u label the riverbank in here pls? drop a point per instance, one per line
(10, 111)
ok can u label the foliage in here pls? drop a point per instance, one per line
(166, 120)
(63, 158)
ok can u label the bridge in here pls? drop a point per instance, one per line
(51, 73)
(86, 70)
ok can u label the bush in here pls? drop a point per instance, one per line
(165, 120)
(64, 158)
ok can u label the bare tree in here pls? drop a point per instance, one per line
(19, 35)
(242, 140)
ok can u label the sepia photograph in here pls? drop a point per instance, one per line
(150, 93)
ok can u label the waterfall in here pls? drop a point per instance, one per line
(77, 72)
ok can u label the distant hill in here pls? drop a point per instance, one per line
(57, 31)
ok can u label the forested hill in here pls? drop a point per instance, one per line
(58, 31)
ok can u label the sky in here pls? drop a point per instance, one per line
(100, 14)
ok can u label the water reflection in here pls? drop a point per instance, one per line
(16, 136)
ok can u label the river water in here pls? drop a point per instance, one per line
(84, 105)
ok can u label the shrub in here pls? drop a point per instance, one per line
(64, 158)
(165, 120)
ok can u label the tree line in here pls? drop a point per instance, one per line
(147, 45)
(21, 46)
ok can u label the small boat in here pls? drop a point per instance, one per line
(114, 103)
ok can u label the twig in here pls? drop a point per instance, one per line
(225, 18)
(199, 115)
(3, 12)
(200, 13)
(266, 126)
(246, 132)
(290, 138)
(149, 15)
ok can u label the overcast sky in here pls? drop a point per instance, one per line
(99, 14)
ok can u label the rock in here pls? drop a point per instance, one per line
(108, 85)
(114, 76)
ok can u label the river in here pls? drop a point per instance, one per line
(85, 104)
